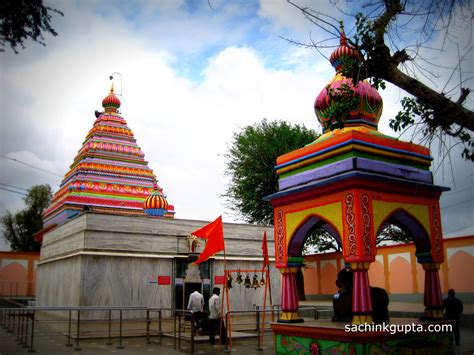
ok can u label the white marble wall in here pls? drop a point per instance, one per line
(125, 281)
(59, 283)
(108, 260)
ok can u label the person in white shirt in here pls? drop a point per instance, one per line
(196, 305)
(215, 318)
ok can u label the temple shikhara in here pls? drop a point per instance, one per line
(109, 174)
(111, 239)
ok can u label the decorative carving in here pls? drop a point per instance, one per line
(193, 274)
(280, 237)
(366, 222)
(436, 229)
(350, 220)
(192, 242)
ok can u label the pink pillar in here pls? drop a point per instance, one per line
(433, 299)
(289, 296)
(361, 298)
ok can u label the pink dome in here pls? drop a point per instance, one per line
(367, 103)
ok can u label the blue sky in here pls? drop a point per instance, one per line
(192, 75)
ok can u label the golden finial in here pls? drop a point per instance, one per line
(343, 39)
(112, 88)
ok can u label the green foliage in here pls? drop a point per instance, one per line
(413, 109)
(20, 227)
(343, 101)
(319, 241)
(394, 234)
(24, 19)
(250, 161)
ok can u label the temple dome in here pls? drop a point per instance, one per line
(367, 103)
(156, 205)
(111, 101)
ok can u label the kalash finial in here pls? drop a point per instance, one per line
(366, 101)
(343, 38)
(344, 52)
(111, 103)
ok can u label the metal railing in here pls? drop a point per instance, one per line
(253, 321)
(26, 324)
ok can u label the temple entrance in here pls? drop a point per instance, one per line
(190, 287)
(189, 278)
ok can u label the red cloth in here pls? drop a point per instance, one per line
(219, 280)
(214, 233)
(164, 280)
(265, 251)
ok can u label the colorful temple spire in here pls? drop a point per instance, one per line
(109, 173)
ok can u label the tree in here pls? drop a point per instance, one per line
(250, 161)
(21, 20)
(382, 32)
(20, 227)
(320, 241)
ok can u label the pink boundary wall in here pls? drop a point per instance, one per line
(18, 273)
(395, 269)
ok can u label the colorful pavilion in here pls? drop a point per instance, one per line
(353, 181)
(109, 174)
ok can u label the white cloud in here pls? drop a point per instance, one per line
(183, 125)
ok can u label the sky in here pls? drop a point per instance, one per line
(190, 74)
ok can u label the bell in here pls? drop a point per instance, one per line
(262, 281)
(229, 281)
(255, 284)
(247, 281)
(239, 279)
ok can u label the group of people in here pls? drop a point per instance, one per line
(216, 323)
(342, 303)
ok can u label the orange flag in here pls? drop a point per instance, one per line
(214, 233)
(265, 251)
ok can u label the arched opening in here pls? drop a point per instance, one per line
(312, 225)
(317, 229)
(410, 225)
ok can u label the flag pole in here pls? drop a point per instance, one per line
(226, 297)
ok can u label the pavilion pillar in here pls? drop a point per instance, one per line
(361, 298)
(289, 296)
(433, 298)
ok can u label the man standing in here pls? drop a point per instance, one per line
(196, 305)
(215, 318)
(453, 308)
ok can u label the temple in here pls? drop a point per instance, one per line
(111, 239)
(353, 181)
(109, 174)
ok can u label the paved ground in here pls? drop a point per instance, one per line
(48, 344)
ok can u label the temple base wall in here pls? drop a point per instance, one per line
(107, 260)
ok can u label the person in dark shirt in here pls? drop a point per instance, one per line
(453, 308)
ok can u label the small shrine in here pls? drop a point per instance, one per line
(109, 174)
(353, 181)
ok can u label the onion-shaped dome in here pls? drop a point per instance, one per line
(156, 205)
(365, 102)
(111, 102)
